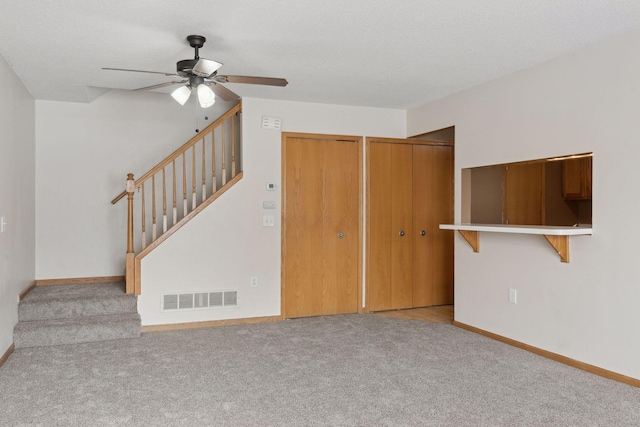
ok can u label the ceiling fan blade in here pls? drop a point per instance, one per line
(223, 92)
(269, 81)
(142, 71)
(205, 67)
(161, 85)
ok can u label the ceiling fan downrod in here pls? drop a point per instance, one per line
(196, 42)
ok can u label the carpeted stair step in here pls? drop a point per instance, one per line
(39, 333)
(76, 313)
(75, 300)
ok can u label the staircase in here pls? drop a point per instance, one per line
(178, 188)
(76, 313)
(159, 203)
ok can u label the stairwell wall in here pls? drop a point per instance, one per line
(83, 155)
(17, 200)
(226, 244)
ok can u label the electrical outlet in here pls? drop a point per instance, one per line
(513, 296)
(3, 224)
(254, 282)
(268, 221)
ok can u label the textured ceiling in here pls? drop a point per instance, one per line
(377, 53)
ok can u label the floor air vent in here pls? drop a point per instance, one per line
(199, 300)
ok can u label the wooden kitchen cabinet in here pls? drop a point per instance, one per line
(576, 178)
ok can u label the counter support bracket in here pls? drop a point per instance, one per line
(472, 238)
(560, 244)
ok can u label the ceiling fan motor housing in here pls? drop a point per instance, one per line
(185, 67)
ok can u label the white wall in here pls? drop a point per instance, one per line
(83, 155)
(226, 244)
(589, 309)
(17, 201)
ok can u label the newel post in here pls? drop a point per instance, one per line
(130, 260)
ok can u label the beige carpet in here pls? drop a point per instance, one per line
(352, 370)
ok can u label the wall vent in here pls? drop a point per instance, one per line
(272, 123)
(198, 300)
(170, 302)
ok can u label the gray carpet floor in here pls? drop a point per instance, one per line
(351, 370)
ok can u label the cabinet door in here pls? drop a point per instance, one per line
(576, 178)
(524, 194)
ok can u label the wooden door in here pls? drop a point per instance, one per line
(524, 194)
(378, 294)
(401, 226)
(422, 226)
(442, 213)
(321, 210)
(341, 231)
(390, 273)
(432, 206)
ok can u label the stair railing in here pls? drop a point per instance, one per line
(202, 164)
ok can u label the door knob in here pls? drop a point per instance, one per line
(340, 235)
(401, 233)
(422, 233)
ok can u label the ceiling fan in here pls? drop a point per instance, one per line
(202, 75)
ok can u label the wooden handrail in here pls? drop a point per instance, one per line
(182, 149)
(189, 210)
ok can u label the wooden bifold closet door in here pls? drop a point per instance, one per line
(410, 192)
(321, 225)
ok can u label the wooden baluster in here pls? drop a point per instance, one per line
(144, 220)
(213, 162)
(164, 202)
(153, 208)
(233, 146)
(175, 206)
(130, 257)
(184, 184)
(204, 173)
(224, 169)
(193, 177)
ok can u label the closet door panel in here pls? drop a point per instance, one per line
(401, 226)
(442, 240)
(378, 293)
(422, 222)
(340, 208)
(304, 235)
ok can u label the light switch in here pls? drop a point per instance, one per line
(3, 224)
(268, 204)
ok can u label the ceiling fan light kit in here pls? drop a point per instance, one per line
(202, 74)
(181, 94)
(206, 96)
